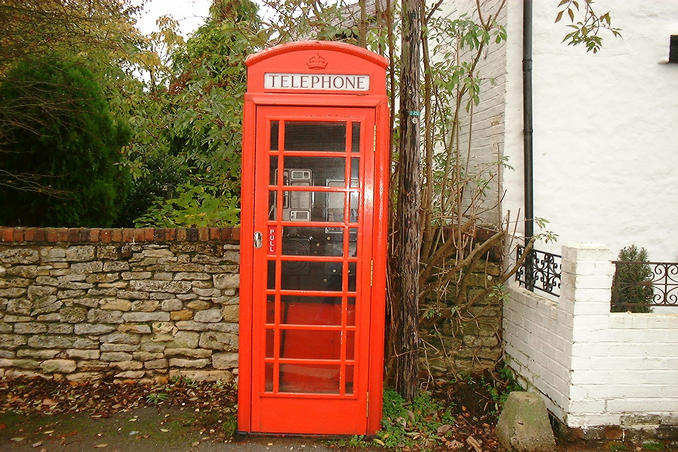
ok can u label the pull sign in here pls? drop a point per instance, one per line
(271, 239)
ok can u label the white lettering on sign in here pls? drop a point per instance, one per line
(318, 82)
(271, 240)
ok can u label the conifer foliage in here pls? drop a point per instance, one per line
(60, 148)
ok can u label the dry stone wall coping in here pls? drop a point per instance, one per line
(118, 235)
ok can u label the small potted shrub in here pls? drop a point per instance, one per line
(632, 284)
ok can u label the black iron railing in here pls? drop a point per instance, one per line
(637, 286)
(541, 270)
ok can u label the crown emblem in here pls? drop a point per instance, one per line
(316, 62)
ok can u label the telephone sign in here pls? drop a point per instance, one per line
(315, 187)
(316, 82)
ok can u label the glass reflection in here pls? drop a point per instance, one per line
(300, 310)
(315, 136)
(309, 378)
(310, 344)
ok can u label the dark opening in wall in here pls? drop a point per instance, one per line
(673, 49)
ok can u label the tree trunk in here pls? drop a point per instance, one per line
(362, 30)
(406, 306)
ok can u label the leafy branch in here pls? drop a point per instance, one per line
(586, 24)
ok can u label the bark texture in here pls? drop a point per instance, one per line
(406, 309)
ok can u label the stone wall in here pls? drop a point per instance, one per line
(466, 338)
(133, 304)
(148, 304)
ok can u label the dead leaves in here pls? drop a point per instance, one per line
(211, 405)
(104, 398)
(471, 441)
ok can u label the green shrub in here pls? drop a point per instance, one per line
(59, 146)
(632, 284)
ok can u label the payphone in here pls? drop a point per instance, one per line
(313, 240)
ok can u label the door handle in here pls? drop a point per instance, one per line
(258, 239)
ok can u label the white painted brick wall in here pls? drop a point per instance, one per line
(487, 136)
(608, 366)
(534, 328)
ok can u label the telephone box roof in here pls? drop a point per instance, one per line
(317, 45)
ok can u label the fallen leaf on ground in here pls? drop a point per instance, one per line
(454, 444)
(101, 446)
(443, 429)
(471, 441)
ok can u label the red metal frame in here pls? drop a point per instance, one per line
(268, 410)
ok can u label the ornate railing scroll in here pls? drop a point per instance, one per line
(541, 270)
(639, 285)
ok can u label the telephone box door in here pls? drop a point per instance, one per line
(313, 223)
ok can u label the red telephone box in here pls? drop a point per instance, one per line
(313, 243)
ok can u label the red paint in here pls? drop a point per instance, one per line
(311, 359)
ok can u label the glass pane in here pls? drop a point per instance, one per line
(273, 171)
(296, 246)
(355, 205)
(296, 177)
(272, 208)
(268, 379)
(270, 337)
(311, 206)
(355, 137)
(301, 206)
(310, 344)
(270, 308)
(350, 345)
(315, 136)
(353, 242)
(298, 310)
(274, 135)
(309, 378)
(319, 171)
(335, 204)
(351, 276)
(302, 275)
(271, 275)
(349, 378)
(355, 172)
(304, 241)
(294, 271)
(350, 311)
